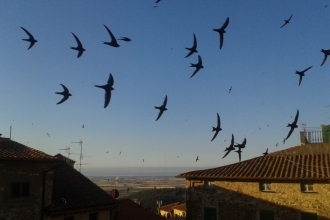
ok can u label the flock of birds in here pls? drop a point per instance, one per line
(109, 86)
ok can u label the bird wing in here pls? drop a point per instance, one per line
(197, 69)
(195, 42)
(307, 69)
(78, 41)
(216, 133)
(28, 33)
(232, 140)
(107, 98)
(80, 53)
(218, 121)
(324, 59)
(158, 1)
(296, 118)
(63, 100)
(244, 142)
(225, 24)
(300, 78)
(31, 44)
(200, 60)
(110, 80)
(191, 52)
(289, 134)
(159, 114)
(165, 101)
(221, 40)
(113, 39)
(290, 18)
(283, 24)
(226, 154)
(65, 89)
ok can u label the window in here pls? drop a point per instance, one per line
(69, 218)
(265, 186)
(308, 216)
(210, 213)
(93, 216)
(208, 184)
(20, 189)
(307, 187)
(266, 215)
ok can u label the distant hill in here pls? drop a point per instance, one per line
(149, 197)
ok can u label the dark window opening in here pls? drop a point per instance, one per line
(210, 213)
(20, 189)
(93, 216)
(266, 215)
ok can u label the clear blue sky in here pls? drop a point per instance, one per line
(258, 59)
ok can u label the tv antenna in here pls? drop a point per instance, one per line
(67, 150)
(80, 157)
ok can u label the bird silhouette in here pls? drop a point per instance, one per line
(65, 94)
(83, 126)
(162, 108)
(286, 21)
(276, 144)
(198, 66)
(230, 89)
(216, 129)
(326, 53)
(79, 48)
(283, 140)
(196, 159)
(31, 38)
(231, 146)
(48, 134)
(125, 39)
(143, 160)
(242, 145)
(157, 1)
(107, 88)
(302, 73)
(193, 48)
(221, 31)
(293, 125)
(239, 151)
(113, 41)
(266, 153)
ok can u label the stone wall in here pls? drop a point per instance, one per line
(31, 171)
(243, 200)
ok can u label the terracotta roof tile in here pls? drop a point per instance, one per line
(127, 209)
(11, 150)
(282, 166)
(169, 207)
(72, 190)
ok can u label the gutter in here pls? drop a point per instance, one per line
(112, 210)
(43, 189)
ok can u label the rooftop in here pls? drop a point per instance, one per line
(169, 207)
(181, 207)
(127, 209)
(72, 190)
(276, 167)
(11, 150)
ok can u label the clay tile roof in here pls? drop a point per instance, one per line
(11, 150)
(181, 207)
(127, 209)
(72, 190)
(169, 207)
(307, 167)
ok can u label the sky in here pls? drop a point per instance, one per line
(258, 59)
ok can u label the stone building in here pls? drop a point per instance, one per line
(289, 184)
(35, 185)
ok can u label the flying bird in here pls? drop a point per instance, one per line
(196, 159)
(239, 151)
(326, 53)
(283, 140)
(161, 108)
(230, 89)
(276, 144)
(48, 134)
(216, 129)
(125, 39)
(193, 48)
(113, 41)
(293, 125)
(286, 21)
(79, 47)
(266, 153)
(302, 73)
(157, 1)
(31, 38)
(221, 31)
(65, 94)
(231, 146)
(107, 88)
(83, 126)
(143, 160)
(242, 145)
(197, 65)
